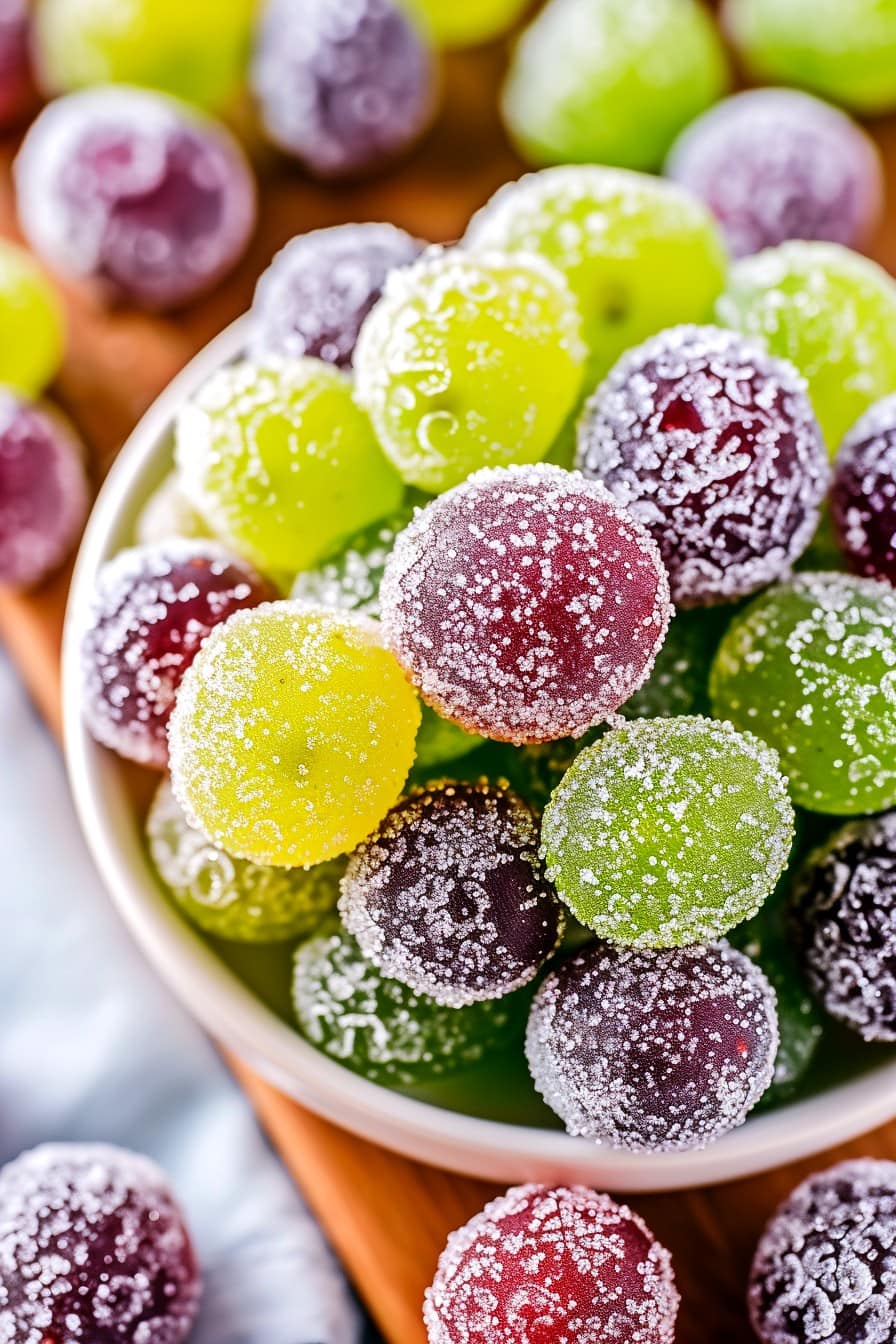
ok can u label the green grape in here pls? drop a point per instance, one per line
(232, 898)
(292, 734)
(469, 362)
(843, 49)
(612, 81)
(465, 23)
(32, 330)
(679, 682)
(811, 666)
(668, 831)
(281, 461)
(830, 312)
(196, 50)
(439, 741)
(639, 253)
(166, 514)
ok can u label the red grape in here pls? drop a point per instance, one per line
(863, 497)
(17, 91)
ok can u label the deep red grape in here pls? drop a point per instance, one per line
(17, 92)
(863, 496)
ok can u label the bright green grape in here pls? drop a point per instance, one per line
(612, 81)
(639, 253)
(469, 362)
(811, 666)
(668, 831)
(281, 461)
(829, 311)
(465, 23)
(32, 330)
(292, 734)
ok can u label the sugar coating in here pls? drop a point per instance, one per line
(93, 1250)
(811, 667)
(168, 513)
(863, 497)
(668, 831)
(825, 1266)
(317, 291)
(448, 895)
(234, 898)
(136, 191)
(379, 1027)
(774, 164)
(525, 604)
(653, 1051)
(564, 1265)
(152, 608)
(712, 444)
(469, 361)
(43, 490)
(349, 579)
(292, 735)
(844, 924)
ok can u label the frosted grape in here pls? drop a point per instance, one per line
(17, 91)
(863, 497)
(32, 330)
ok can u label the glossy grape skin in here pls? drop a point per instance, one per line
(611, 81)
(282, 462)
(863, 496)
(135, 193)
(17, 92)
(32, 327)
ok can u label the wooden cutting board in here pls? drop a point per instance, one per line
(387, 1217)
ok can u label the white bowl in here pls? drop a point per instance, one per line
(479, 1147)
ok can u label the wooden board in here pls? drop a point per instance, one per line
(387, 1217)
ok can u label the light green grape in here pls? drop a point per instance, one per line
(464, 23)
(612, 81)
(32, 330)
(829, 311)
(639, 253)
(467, 362)
(281, 461)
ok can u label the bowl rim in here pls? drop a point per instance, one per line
(490, 1149)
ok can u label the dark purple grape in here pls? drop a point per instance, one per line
(136, 192)
(93, 1248)
(863, 497)
(342, 84)
(17, 92)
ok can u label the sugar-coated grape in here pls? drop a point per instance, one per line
(152, 608)
(282, 462)
(712, 445)
(668, 831)
(774, 164)
(233, 898)
(465, 23)
(32, 331)
(168, 513)
(611, 81)
(195, 51)
(553, 1266)
(43, 490)
(863, 497)
(638, 253)
(344, 86)
(830, 312)
(346, 1007)
(469, 361)
(135, 192)
(653, 1051)
(93, 1247)
(292, 734)
(679, 682)
(811, 667)
(844, 925)
(17, 91)
(317, 291)
(823, 1269)
(448, 895)
(845, 52)
(525, 604)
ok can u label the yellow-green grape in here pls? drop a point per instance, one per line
(32, 330)
(281, 462)
(233, 898)
(829, 311)
(639, 253)
(468, 362)
(196, 49)
(465, 23)
(292, 734)
(612, 81)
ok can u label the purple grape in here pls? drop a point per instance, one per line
(342, 84)
(863, 497)
(320, 287)
(136, 192)
(17, 91)
(773, 164)
(43, 490)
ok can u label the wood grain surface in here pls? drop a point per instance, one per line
(387, 1217)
